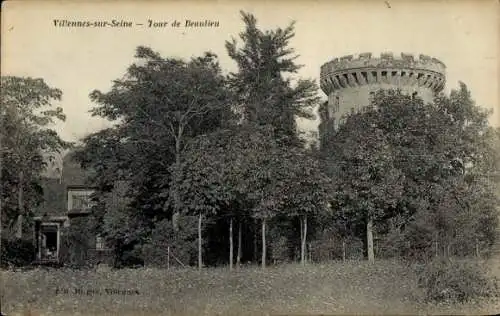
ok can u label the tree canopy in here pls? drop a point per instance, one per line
(28, 143)
(406, 160)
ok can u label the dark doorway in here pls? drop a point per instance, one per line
(49, 243)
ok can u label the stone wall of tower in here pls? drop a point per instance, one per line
(353, 99)
(349, 82)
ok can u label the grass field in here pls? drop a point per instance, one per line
(336, 288)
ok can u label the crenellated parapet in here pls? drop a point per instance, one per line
(365, 69)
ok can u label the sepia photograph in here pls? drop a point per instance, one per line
(302, 157)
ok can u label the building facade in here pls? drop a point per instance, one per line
(64, 226)
(350, 81)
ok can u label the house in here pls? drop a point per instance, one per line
(64, 225)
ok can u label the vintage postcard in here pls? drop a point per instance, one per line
(250, 157)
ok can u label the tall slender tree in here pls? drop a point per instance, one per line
(263, 84)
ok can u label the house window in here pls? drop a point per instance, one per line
(81, 202)
(79, 199)
(99, 243)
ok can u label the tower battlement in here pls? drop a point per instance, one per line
(352, 71)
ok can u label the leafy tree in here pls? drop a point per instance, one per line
(445, 152)
(304, 189)
(157, 106)
(246, 166)
(266, 97)
(27, 114)
(216, 172)
(434, 150)
(368, 187)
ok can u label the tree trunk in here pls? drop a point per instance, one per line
(301, 238)
(175, 215)
(263, 243)
(231, 244)
(168, 257)
(304, 240)
(255, 236)
(343, 251)
(177, 198)
(369, 240)
(20, 205)
(200, 261)
(238, 258)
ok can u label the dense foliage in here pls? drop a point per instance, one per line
(421, 171)
(445, 280)
(203, 168)
(190, 142)
(28, 144)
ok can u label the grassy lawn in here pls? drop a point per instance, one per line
(336, 288)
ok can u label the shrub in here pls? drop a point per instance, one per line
(17, 252)
(181, 246)
(445, 280)
(80, 237)
(279, 251)
(329, 245)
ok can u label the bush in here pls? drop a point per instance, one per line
(17, 252)
(183, 245)
(279, 249)
(79, 238)
(445, 280)
(329, 245)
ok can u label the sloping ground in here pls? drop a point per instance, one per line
(351, 288)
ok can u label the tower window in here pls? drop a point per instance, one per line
(331, 100)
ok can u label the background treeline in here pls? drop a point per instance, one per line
(207, 168)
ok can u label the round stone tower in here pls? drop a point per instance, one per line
(349, 81)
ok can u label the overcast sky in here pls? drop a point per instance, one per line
(463, 34)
